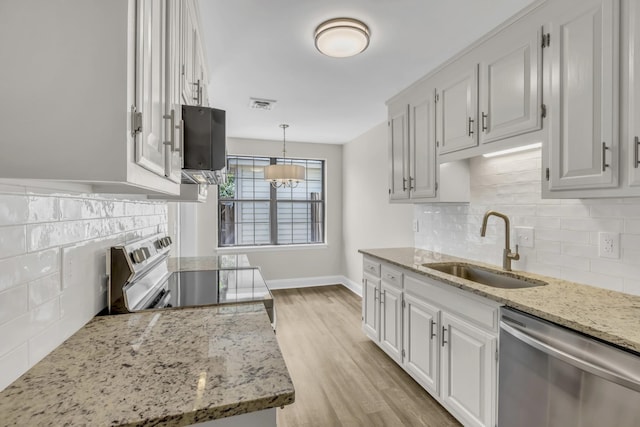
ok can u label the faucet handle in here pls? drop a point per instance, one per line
(516, 255)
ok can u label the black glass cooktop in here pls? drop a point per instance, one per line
(204, 287)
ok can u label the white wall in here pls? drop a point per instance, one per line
(199, 221)
(52, 265)
(369, 220)
(566, 231)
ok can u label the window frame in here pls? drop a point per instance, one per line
(273, 208)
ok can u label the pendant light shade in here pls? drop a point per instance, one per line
(284, 175)
(342, 37)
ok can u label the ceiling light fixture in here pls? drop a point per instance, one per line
(514, 150)
(284, 175)
(342, 37)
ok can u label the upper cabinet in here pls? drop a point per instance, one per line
(414, 173)
(457, 111)
(583, 92)
(99, 101)
(633, 136)
(510, 91)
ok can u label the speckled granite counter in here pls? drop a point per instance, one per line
(161, 368)
(611, 316)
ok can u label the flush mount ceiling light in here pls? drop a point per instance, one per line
(342, 37)
(284, 175)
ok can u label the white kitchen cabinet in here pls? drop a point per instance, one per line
(193, 67)
(371, 306)
(634, 94)
(457, 110)
(391, 320)
(583, 95)
(398, 152)
(421, 345)
(445, 338)
(96, 115)
(414, 173)
(468, 370)
(510, 89)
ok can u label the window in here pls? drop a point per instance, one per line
(253, 213)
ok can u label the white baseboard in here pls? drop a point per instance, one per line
(306, 282)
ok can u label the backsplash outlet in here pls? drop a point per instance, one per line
(565, 231)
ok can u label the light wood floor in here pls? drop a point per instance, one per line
(341, 377)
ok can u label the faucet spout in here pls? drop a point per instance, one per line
(507, 254)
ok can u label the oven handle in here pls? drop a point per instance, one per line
(601, 371)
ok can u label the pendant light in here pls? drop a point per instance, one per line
(284, 175)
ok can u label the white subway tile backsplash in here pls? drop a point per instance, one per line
(12, 241)
(44, 289)
(13, 303)
(14, 209)
(13, 365)
(52, 264)
(566, 230)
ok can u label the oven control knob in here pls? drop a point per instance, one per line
(146, 252)
(159, 244)
(137, 256)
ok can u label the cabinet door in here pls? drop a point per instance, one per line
(457, 111)
(391, 321)
(188, 52)
(583, 145)
(398, 153)
(510, 89)
(468, 370)
(634, 93)
(421, 343)
(422, 145)
(173, 150)
(371, 307)
(151, 84)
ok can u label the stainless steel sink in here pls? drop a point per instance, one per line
(504, 280)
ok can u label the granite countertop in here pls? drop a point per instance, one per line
(168, 368)
(608, 315)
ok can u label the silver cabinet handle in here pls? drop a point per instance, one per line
(484, 121)
(411, 186)
(181, 149)
(601, 371)
(470, 130)
(404, 184)
(605, 165)
(636, 161)
(172, 124)
(198, 92)
(444, 336)
(383, 297)
(433, 333)
(375, 294)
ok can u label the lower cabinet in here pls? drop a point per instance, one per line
(445, 338)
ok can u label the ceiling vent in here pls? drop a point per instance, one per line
(262, 104)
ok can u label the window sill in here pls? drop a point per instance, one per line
(272, 248)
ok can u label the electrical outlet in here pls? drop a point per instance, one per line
(415, 225)
(608, 245)
(524, 236)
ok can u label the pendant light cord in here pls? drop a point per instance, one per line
(284, 141)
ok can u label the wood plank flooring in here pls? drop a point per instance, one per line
(341, 377)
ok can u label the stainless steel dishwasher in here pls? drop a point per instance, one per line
(552, 376)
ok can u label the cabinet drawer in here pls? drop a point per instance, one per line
(476, 309)
(372, 267)
(392, 276)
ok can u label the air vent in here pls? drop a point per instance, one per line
(262, 104)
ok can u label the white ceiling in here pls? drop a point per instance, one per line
(264, 49)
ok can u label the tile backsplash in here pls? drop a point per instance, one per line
(565, 231)
(52, 264)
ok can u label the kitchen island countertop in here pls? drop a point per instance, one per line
(169, 367)
(611, 316)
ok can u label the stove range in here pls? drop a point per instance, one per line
(139, 279)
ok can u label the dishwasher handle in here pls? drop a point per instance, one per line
(601, 371)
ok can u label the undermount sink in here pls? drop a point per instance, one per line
(504, 280)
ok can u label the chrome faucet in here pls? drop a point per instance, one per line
(507, 255)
